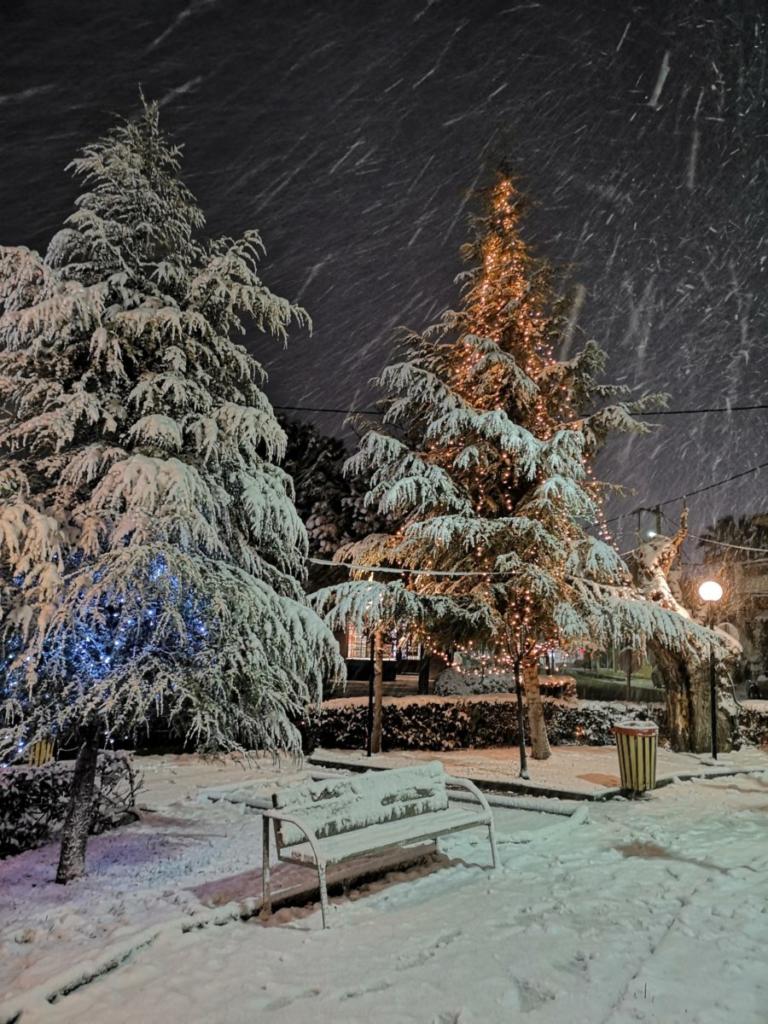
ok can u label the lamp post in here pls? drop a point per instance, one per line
(371, 677)
(710, 592)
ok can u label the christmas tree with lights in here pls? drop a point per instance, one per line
(150, 552)
(485, 466)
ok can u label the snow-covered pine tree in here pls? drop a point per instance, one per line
(150, 552)
(486, 470)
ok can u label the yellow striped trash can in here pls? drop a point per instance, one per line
(39, 753)
(636, 743)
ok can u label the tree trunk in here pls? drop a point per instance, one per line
(77, 823)
(538, 727)
(686, 687)
(424, 672)
(378, 689)
(520, 722)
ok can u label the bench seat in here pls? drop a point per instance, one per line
(404, 832)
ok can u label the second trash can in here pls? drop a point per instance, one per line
(636, 743)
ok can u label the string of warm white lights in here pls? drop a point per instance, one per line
(333, 410)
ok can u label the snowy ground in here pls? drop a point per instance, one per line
(655, 910)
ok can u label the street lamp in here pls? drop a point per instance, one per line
(710, 592)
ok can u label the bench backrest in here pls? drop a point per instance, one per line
(333, 806)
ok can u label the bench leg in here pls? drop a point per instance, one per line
(492, 840)
(323, 894)
(266, 880)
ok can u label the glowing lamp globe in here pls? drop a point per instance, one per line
(710, 590)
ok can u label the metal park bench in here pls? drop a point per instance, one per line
(335, 820)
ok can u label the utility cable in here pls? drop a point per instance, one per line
(690, 494)
(725, 544)
(660, 412)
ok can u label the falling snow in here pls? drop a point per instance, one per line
(354, 141)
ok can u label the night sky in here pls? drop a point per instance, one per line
(351, 134)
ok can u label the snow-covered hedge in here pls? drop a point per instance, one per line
(753, 723)
(454, 723)
(451, 683)
(33, 801)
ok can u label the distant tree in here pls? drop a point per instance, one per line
(732, 539)
(330, 503)
(314, 460)
(759, 637)
(150, 554)
(735, 551)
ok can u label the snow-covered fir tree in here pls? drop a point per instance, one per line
(150, 553)
(485, 467)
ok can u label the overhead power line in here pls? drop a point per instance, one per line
(711, 408)
(314, 408)
(690, 494)
(661, 412)
(725, 544)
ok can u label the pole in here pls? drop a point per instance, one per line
(371, 674)
(712, 688)
(378, 689)
(713, 699)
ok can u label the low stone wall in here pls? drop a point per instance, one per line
(455, 723)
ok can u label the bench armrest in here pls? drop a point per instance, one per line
(452, 780)
(277, 815)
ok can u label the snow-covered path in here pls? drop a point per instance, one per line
(652, 911)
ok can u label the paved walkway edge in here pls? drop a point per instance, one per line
(528, 788)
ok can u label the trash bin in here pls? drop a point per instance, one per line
(39, 753)
(636, 743)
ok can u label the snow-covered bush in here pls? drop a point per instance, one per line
(33, 801)
(457, 723)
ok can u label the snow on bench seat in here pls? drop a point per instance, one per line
(378, 837)
(337, 819)
(346, 804)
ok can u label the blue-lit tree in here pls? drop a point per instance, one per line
(151, 556)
